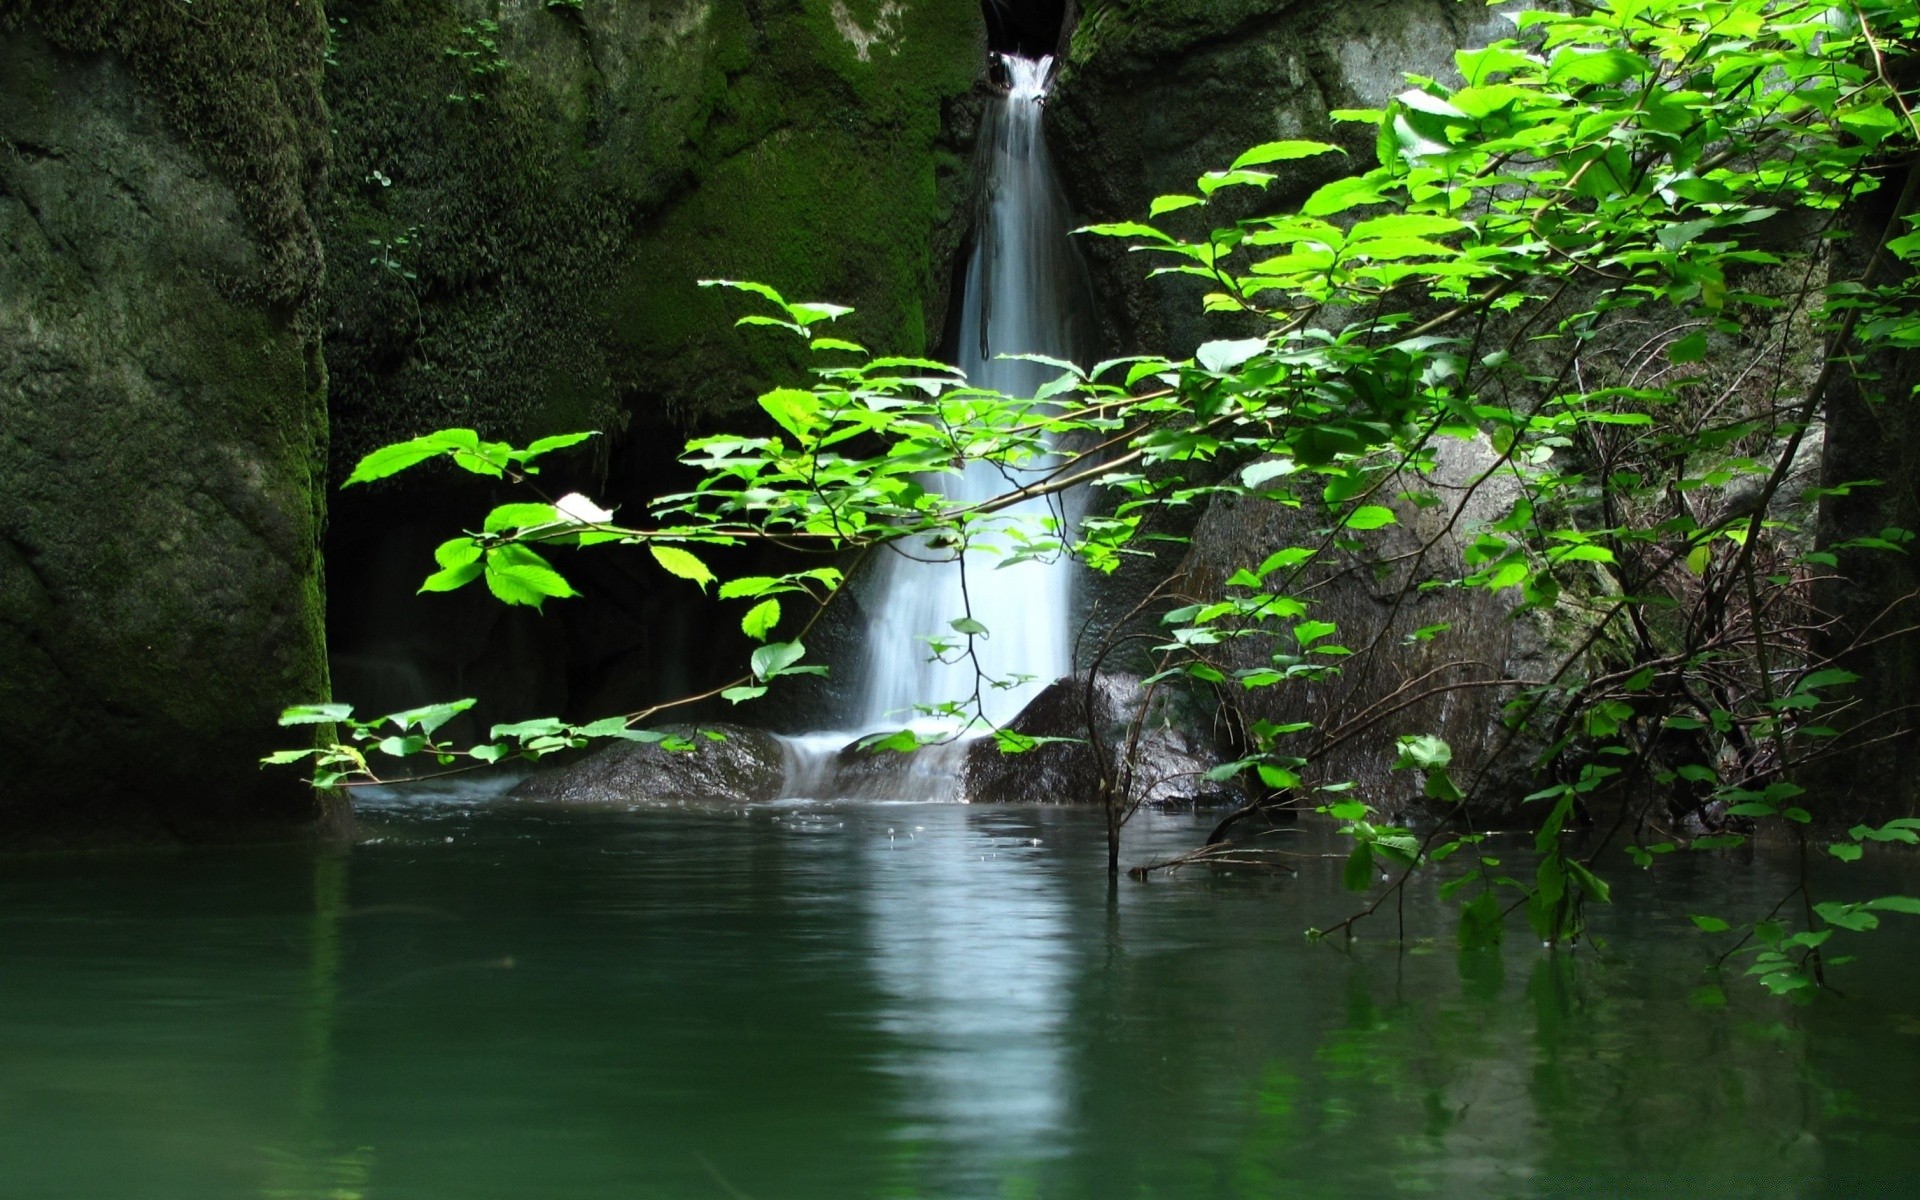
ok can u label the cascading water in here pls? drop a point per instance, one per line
(1016, 302)
(1021, 297)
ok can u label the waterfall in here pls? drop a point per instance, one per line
(1024, 294)
(1018, 299)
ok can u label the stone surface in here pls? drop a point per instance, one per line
(748, 766)
(1164, 760)
(1873, 432)
(162, 418)
(1157, 92)
(523, 208)
(1372, 595)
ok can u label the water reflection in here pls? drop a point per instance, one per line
(972, 943)
(892, 1001)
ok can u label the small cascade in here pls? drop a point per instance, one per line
(1024, 294)
(1016, 301)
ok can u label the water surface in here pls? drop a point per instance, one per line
(868, 1000)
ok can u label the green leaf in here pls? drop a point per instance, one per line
(682, 564)
(391, 460)
(969, 626)
(746, 285)
(1255, 475)
(1308, 632)
(901, 741)
(1283, 151)
(431, 716)
(516, 516)
(1590, 883)
(521, 730)
(517, 575)
(1900, 904)
(809, 313)
(1845, 851)
(774, 658)
(1689, 349)
(796, 411)
(827, 343)
(1009, 741)
(1370, 516)
(1277, 777)
(1341, 195)
(748, 587)
(1423, 752)
(1125, 229)
(760, 620)
(547, 445)
(457, 552)
(1480, 926)
(1224, 356)
(1832, 677)
(1578, 64)
(1708, 924)
(452, 577)
(315, 714)
(1163, 205)
(1213, 181)
(1357, 875)
(1846, 916)
(1587, 552)
(1291, 556)
(1399, 225)
(737, 695)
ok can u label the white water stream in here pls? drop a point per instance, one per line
(1018, 299)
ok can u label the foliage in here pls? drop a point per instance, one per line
(479, 56)
(1601, 254)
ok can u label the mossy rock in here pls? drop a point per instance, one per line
(162, 404)
(561, 178)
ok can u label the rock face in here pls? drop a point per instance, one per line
(1875, 595)
(526, 194)
(1442, 683)
(1166, 763)
(1154, 95)
(1157, 92)
(162, 415)
(748, 766)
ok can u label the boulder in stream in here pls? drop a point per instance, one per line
(1168, 760)
(742, 766)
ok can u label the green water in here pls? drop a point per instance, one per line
(890, 1001)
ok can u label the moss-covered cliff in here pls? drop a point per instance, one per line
(162, 413)
(524, 198)
(526, 194)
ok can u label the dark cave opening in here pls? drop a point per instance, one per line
(1029, 28)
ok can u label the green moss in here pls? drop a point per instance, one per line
(240, 80)
(621, 155)
(824, 181)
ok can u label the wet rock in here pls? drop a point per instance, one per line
(836, 767)
(1165, 763)
(1441, 651)
(164, 409)
(1154, 95)
(748, 765)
